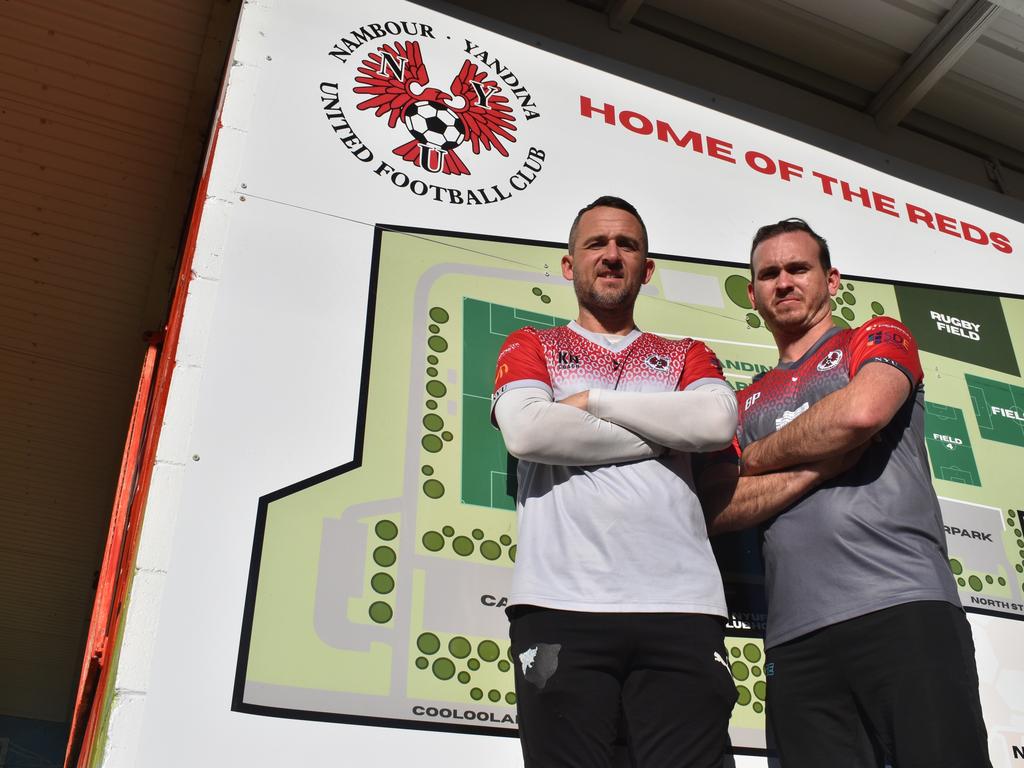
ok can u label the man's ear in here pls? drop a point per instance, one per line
(567, 266)
(750, 295)
(648, 270)
(833, 279)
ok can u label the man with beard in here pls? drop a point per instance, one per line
(617, 604)
(869, 653)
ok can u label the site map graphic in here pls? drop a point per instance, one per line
(377, 590)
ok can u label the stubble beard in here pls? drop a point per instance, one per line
(596, 301)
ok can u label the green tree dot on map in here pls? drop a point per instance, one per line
(464, 677)
(433, 489)
(421, 662)
(838, 300)
(477, 534)
(1020, 543)
(848, 313)
(434, 328)
(758, 707)
(537, 291)
(380, 612)
(840, 286)
(504, 666)
(751, 652)
(505, 540)
(840, 322)
(431, 371)
(989, 579)
(753, 321)
(1020, 568)
(755, 671)
(545, 299)
(760, 689)
(1010, 521)
(432, 405)
(384, 556)
(490, 549)
(433, 541)
(382, 583)
(463, 545)
(832, 304)
(385, 529)
(1016, 532)
(427, 470)
(735, 652)
(510, 699)
(476, 694)
(1002, 581)
(447, 436)
(742, 695)
(431, 443)
(443, 668)
(740, 671)
(736, 290)
(512, 553)
(433, 422)
(962, 581)
(494, 695)
(448, 531)
(473, 664)
(438, 315)
(459, 647)
(436, 388)
(432, 359)
(877, 308)
(851, 287)
(488, 650)
(437, 343)
(849, 298)
(975, 583)
(956, 566)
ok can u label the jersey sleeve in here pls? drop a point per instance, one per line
(885, 340)
(520, 364)
(699, 365)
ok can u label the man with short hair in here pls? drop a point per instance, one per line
(869, 652)
(617, 607)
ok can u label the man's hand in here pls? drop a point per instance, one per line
(579, 400)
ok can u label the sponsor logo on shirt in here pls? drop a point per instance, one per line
(658, 363)
(831, 360)
(751, 400)
(502, 371)
(567, 360)
(888, 337)
(514, 345)
(788, 416)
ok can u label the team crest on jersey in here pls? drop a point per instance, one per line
(831, 360)
(658, 363)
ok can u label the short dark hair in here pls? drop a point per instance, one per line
(607, 201)
(794, 224)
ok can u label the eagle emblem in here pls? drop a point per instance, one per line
(396, 83)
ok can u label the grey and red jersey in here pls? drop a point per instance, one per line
(620, 538)
(873, 537)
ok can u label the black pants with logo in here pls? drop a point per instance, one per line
(898, 686)
(579, 675)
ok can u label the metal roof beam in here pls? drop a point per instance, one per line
(932, 59)
(620, 12)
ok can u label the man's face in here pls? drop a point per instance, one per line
(608, 264)
(790, 290)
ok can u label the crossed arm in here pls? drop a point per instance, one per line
(608, 427)
(825, 441)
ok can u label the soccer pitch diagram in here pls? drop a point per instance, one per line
(377, 589)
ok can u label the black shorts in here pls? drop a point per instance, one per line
(579, 675)
(897, 686)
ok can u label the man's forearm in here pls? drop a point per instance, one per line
(732, 503)
(536, 429)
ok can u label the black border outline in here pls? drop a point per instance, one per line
(245, 639)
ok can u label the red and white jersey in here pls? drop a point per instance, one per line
(627, 537)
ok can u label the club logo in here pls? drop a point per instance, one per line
(567, 360)
(658, 363)
(463, 119)
(831, 360)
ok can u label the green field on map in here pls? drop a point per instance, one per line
(378, 591)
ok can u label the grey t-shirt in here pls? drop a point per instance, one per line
(873, 537)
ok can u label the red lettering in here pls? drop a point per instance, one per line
(1001, 242)
(587, 110)
(636, 122)
(760, 162)
(790, 171)
(973, 234)
(916, 214)
(722, 150)
(665, 133)
(946, 224)
(860, 193)
(884, 204)
(826, 181)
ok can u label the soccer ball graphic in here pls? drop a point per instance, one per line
(433, 124)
